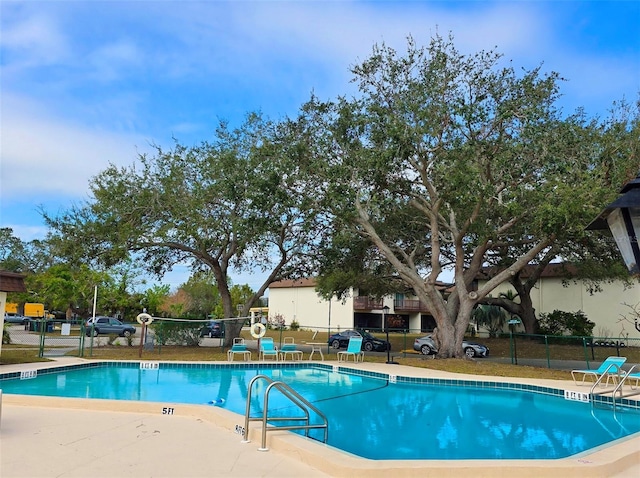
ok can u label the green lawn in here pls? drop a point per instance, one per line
(502, 347)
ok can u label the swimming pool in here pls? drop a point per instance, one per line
(370, 414)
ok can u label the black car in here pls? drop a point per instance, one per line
(369, 342)
(213, 328)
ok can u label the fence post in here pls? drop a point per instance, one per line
(81, 343)
(404, 347)
(586, 353)
(91, 338)
(511, 345)
(143, 333)
(43, 327)
(546, 346)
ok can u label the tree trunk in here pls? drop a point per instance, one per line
(232, 329)
(450, 333)
(528, 316)
(526, 311)
(445, 340)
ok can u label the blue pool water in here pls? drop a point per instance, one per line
(368, 415)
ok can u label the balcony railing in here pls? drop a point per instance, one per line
(410, 305)
(362, 302)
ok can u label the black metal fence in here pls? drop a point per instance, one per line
(56, 338)
(562, 352)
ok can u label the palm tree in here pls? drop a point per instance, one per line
(492, 317)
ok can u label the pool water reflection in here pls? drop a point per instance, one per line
(368, 415)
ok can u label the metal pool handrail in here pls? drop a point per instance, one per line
(602, 376)
(295, 398)
(620, 385)
(622, 377)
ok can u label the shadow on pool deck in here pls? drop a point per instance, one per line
(57, 437)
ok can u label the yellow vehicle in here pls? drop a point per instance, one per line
(34, 310)
(11, 308)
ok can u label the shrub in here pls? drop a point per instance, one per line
(177, 333)
(6, 338)
(277, 322)
(294, 325)
(566, 323)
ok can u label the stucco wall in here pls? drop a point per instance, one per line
(606, 308)
(305, 306)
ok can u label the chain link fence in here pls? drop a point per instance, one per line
(57, 338)
(50, 337)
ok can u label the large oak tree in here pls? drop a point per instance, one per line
(453, 160)
(233, 203)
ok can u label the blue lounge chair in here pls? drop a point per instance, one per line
(240, 348)
(353, 349)
(612, 367)
(289, 348)
(268, 349)
(634, 376)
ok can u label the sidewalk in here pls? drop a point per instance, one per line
(65, 443)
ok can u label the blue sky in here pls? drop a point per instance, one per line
(88, 83)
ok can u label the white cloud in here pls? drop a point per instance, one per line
(53, 155)
(87, 83)
(121, 72)
(255, 38)
(316, 42)
(346, 31)
(34, 41)
(28, 233)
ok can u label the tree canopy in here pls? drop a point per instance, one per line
(234, 202)
(452, 160)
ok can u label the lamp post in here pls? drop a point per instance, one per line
(622, 218)
(385, 313)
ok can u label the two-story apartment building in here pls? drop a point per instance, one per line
(609, 308)
(298, 301)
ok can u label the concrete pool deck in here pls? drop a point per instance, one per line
(58, 437)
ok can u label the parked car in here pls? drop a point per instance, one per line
(426, 346)
(213, 328)
(15, 319)
(109, 325)
(369, 342)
